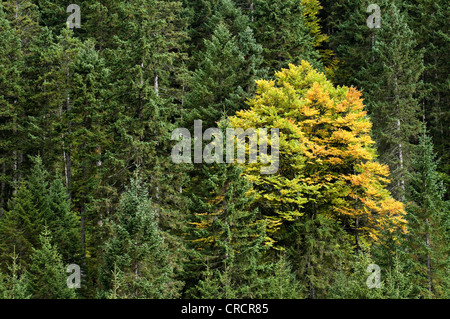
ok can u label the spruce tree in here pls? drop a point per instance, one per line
(282, 282)
(88, 138)
(226, 240)
(20, 226)
(281, 27)
(318, 248)
(386, 64)
(51, 200)
(63, 222)
(47, 272)
(358, 280)
(146, 65)
(137, 250)
(40, 201)
(225, 76)
(14, 284)
(428, 219)
(427, 20)
(350, 282)
(349, 37)
(11, 124)
(391, 96)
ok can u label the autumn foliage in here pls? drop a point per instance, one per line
(327, 159)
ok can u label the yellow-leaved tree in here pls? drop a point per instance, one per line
(327, 159)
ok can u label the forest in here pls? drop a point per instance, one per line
(101, 198)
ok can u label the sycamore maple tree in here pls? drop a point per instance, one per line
(327, 161)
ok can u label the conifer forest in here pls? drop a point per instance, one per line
(224, 149)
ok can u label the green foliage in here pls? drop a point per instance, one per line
(11, 88)
(391, 96)
(225, 76)
(20, 226)
(47, 272)
(282, 29)
(39, 201)
(223, 232)
(428, 221)
(426, 20)
(15, 283)
(357, 283)
(282, 282)
(136, 258)
(83, 109)
(229, 64)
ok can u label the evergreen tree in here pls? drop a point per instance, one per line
(216, 284)
(281, 27)
(20, 226)
(82, 109)
(356, 282)
(224, 234)
(399, 283)
(15, 283)
(428, 218)
(146, 63)
(11, 66)
(427, 20)
(199, 12)
(39, 201)
(63, 222)
(386, 65)
(47, 272)
(319, 248)
(51, 200)
(351, 283)
(225, 76)
(391, 96)
(87, 121)
(282, 282)
(137, 250)
(349, 37)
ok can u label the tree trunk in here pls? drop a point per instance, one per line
(156, 85)
(428, 243)
(400, 157)
(66, 155)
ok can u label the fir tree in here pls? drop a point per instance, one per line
(282, 282)
(47, 272)
(51, 200)
(428, 217)
(226, 239)
(282, 29)
(223, 233)
(427, 20)
(20, 226)
(391, 97)
(11, 67)
(225, 76)
(349, 37)
(137, 250)
(14, 284)
(40, 201)
(353, 282)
